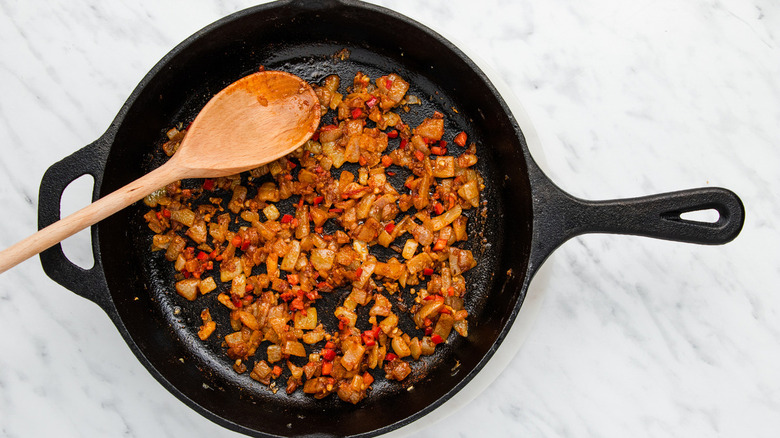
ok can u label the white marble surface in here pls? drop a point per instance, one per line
(634, 337)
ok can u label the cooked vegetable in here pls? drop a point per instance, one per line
(300, 228)
(208, 326)
(188, 288)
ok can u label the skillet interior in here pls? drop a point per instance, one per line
(161, 327)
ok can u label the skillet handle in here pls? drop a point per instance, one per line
(91, 160)
(659, 216)
(562, 216)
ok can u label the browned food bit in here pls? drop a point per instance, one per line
(208, 326)
(460, 139)
(276, 260)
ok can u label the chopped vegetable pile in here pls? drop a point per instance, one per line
(271, 268)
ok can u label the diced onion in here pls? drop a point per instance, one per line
(337, 230)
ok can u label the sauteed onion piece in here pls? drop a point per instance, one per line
(281, 237)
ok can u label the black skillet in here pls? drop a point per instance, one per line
(526, 219)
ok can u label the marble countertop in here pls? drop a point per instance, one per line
(633, 337)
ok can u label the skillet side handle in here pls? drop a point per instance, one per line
(559, 216)
(91, 160)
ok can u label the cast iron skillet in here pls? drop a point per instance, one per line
(527, 215)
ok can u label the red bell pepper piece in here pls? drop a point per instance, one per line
(327, 367)
(296, 304)
(368, 338)
(328, 354)
(460, 139)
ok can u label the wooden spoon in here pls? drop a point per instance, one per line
(255, 120)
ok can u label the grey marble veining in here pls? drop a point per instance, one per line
(634, 337)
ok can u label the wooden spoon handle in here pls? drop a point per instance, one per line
(87, 216)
